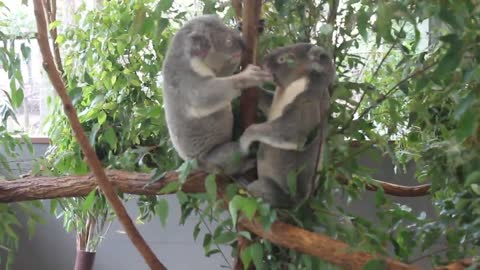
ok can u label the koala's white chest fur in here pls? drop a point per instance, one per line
(286, 96)
(202, 69)
(199, 67)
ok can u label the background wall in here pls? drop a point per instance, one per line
(51, 248)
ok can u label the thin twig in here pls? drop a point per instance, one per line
(92, 160)
(218, 247)
(374, 75)
(383, 97)
(52, 16)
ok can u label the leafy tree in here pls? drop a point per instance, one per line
(111, 67)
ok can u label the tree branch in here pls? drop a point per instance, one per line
(393, 189)
(250, 23)
(250, 11)
(48, 187)
(52, 16)
(318, 245)
(87, 149)
(51, 187)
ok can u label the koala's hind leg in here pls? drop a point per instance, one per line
(226, 158)
(271, 192)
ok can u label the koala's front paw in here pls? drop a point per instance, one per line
(247, 138)
(245, 144)
(252, 76)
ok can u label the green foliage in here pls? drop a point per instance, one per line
(406, 71)
(112, 60)
(12, 141)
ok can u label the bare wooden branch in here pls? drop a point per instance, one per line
(250, 22)
(51, 7)
(459, 265)
(50, 187)
(87, 149)
(394, 189)
(318, 245)
(237, 7)
(250, 11)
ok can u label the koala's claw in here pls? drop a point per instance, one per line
(253, 76)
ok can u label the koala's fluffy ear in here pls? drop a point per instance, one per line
(319, 57)
(200, 44)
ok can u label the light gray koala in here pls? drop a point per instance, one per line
(199, 86)
(292, 137)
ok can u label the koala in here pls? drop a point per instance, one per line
(198, 88)
(291, 139)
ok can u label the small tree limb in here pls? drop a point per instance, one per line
(393, 189)
(82, 139)
(51, 7)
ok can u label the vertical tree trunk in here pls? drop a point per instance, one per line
(251, 17)
(248, 101)
(84, 260)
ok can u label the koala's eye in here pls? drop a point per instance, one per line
(228, 42)
(324, 57)
(282, 59)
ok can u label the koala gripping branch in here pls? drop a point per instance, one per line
(92, 160)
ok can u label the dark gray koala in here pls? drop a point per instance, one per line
(199, 86)
(292, 137)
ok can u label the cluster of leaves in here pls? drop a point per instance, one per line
(393, 83)
(113, 57)
(13, 141)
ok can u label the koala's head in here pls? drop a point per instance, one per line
(290, 63)
(218, 46)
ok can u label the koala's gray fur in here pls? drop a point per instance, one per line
(292, 137)
(198, 90)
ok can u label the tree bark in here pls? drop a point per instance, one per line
(84, 260)
(51, 187)
(250, 23)
(48, 187)
(248, 101)
(318, 245)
